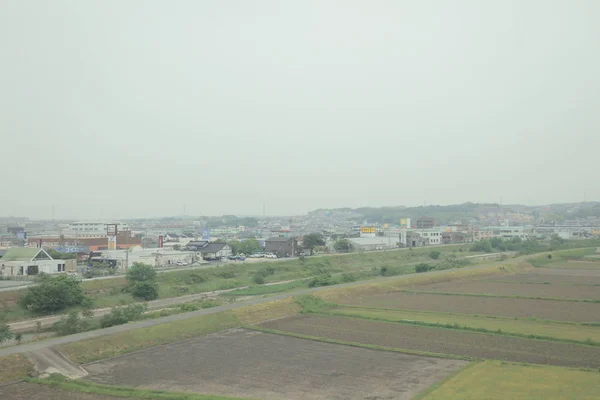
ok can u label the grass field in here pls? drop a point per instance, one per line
(109, 292)
(558, 331)
(59, 388)
(14, 368)
(494, 380)
(357, 292)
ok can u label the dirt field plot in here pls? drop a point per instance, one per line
(515, 289)
(444, 341)
(520, 308)
(554, 276)
(31, 391)
(266, 366)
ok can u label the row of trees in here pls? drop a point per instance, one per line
(309, 242)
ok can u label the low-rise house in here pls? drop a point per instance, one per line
(27, 261)
(215, 251)
(282, 246)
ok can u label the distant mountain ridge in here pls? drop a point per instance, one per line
(467, 212)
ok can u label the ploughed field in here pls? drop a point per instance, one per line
(32, 391)
(557, 290)
(554, 276)
(260, 365)
(493, 306)
(439, 340)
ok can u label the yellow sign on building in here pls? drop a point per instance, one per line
(368, 229)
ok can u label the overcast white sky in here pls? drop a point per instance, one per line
(134, 108)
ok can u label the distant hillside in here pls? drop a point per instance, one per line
(472, 211)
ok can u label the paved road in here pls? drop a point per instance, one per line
(178, 317)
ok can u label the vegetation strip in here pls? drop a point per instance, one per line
(355, 344)
(500, 296)
(81, 386)
(458, 327)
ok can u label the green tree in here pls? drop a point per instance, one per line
(250, 246)
(482, 245)
(342, 245)
(313, 240)
(53, 293)
(5, 333)
(141, 282)
(140, 272)
(236, 246)
(434, 254)
(57, 255)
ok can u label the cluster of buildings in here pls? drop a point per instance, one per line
(186, 240)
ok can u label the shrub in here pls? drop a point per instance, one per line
(435, 254)
(348, 278)
(225, 274)
(121, 315)
(71, 324)
(258, 279)
(54, 293)
(194, 278)
(423, 267)
(321, 280)
(144, 290)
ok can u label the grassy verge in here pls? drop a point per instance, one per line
(340, 294)
(126, 342)
(362, 345)
(495, 380)
(260, 290)
(81, 386)
(14, 367)
(570, 333)
(500, 296)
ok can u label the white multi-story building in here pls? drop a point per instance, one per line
(92, 229)
(433, 236)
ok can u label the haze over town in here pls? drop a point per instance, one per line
(114, 110)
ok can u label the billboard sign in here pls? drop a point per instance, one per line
(368, 229)
(205, 233)
(111, 229)
(112, 243)
(72, 249)
(160, 241)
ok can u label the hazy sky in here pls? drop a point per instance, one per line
(134, 108)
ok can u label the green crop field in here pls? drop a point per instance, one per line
(494, 380)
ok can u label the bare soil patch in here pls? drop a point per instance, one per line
(516, 289)
(520, 308)
(444, 341)
(266, 366)
(32, 391)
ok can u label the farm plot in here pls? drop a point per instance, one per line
(506, 307)
(266, 366)
(554, 276)
(515, 289)
(32, 391)
(441, 341)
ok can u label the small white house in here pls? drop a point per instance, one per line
(30, 261)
